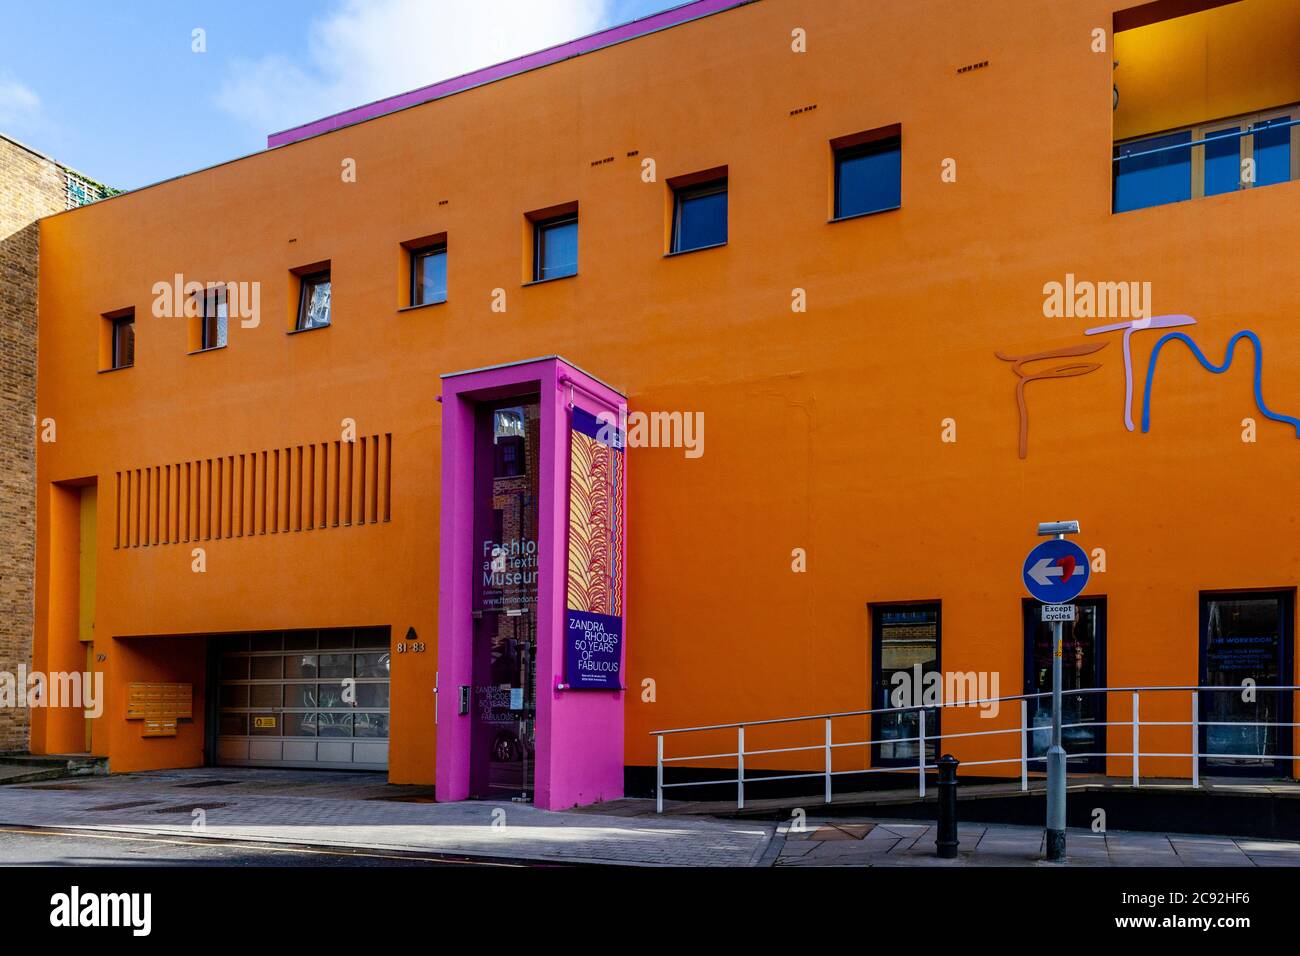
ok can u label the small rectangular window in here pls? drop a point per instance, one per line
(429, 275)
(555, 248)
(868, 177)
(123, 340)
(212, 318)
(314, 301)
(699, 216)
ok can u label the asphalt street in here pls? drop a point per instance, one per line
(50, 847)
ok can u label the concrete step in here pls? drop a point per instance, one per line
(13, 773)
(19, 767)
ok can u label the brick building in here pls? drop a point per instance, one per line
(31, 186)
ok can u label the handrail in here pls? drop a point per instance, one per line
(1225, 136)
(921, 766)
(968, 703)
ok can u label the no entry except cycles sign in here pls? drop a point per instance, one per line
(1056, 571)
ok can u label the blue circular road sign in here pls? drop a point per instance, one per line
(1056, 571)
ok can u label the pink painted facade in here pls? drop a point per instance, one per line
(579, 734)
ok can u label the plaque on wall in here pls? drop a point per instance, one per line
(160, 705)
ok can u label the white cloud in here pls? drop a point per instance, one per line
(365, 50)
(17, 101)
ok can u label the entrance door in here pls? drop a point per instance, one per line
(1246, 637)
(504, 697)
(1083, 664)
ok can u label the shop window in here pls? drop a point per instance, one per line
(699, 213)
(868, 172)
(904, 647)
(1083, 666)
(1246, 637)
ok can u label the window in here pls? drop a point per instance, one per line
(699, 215)
(555, 247)
(904, 645)
(510, 428)
(1245, 636)
(1083, 665)
(212, 315)
(1209, 159)
(868, 174)
(313, 301)
(429, 275)
(122, 340)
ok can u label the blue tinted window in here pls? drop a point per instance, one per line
(1155, 179)
(868, 178)
(556, 249)
(1222, 161)
(429, 276)
(1273, 153)
(700, 218)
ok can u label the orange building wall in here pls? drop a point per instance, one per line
(822, 429)
(1224, 62)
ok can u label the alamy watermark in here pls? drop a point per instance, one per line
(683, 430)
(71, 689)
(951, 688)
(181, 299)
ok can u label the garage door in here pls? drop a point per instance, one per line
(303, 698)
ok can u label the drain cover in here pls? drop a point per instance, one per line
(125, 806)
(191, 807)
(404, 799)
(205, 783)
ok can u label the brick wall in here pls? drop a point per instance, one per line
(31, 186)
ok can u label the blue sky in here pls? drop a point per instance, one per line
(116, 91)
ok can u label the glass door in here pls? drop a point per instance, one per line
(1245, 637)
(905, 648)
(504, 694)
(1083, 716)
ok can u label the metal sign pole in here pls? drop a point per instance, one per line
(1055, 573)
(1056, 758)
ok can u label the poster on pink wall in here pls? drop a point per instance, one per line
(594, 602)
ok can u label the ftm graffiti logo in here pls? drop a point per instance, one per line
(1129, 328)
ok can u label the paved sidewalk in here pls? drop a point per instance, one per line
(362, 810)
(852, 842)
(235, 806)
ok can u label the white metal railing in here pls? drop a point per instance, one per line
(829, 745)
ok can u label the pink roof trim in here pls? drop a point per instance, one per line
(531, 61)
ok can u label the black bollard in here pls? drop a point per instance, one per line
(946, 841)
